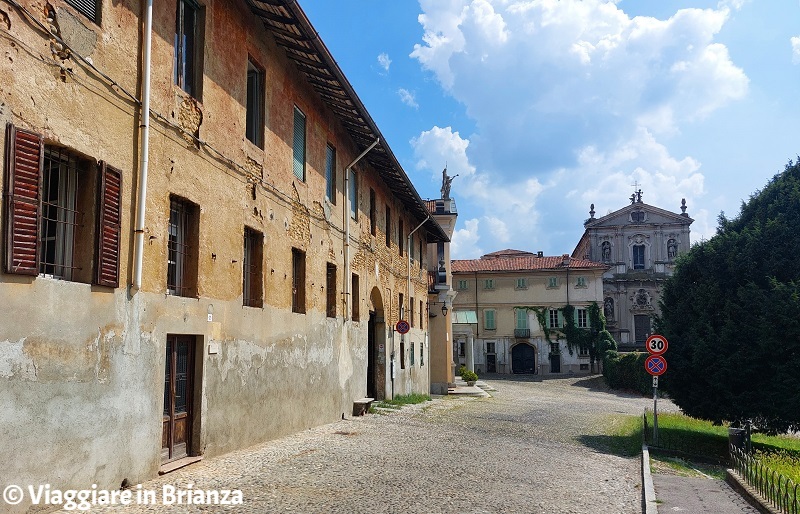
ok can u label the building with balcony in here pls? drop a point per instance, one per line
(639, 243)
(508, 315)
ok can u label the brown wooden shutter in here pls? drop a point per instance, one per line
(109, 225)
(24, 162)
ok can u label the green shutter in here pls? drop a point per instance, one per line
(299, 147)
(522, 319)
(489, 320)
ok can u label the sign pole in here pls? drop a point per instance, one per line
(655, 411)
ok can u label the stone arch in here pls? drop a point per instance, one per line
(376, 347)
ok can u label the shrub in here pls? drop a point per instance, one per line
(626, 371)
(461, 370)
(469, 376)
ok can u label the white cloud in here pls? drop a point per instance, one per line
(795, 49)
(573, 101)
(464, 243)
(384, 61)
(408, 98)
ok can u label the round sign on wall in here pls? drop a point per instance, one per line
(656, 344)
(402, 326)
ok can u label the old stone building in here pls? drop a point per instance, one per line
(508, 314)
(225, 270)
(639, 243)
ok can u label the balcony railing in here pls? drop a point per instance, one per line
(522, 333)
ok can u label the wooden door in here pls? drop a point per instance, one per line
(178, 377)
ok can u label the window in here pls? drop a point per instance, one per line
(388, 227)
(580, 282)
(400, 237)
(522, 318)
(330, 290)
(411, 356)
(411, 311)
(583, 352)
(637, 216)
(641, 324)
(353, 194)
(402, 355)
(299, 145)
(254, 121)
(488, 319)
(552, 282)
(356, 303)
(522, 283)
(252, 295)
(638, 256)
(373, 215)
(421, 355)
(400, 310)
(330, 174)
(490, 348)
(461, 348)
(554, 349)
(554, 318)
(62, 213)
(421, 317)
(462, 284)
(182, 248)
(89, 8)
(488, 283)
(188, 47)
(582, 319)
(298, 281)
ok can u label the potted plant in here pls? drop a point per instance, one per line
(470, 377)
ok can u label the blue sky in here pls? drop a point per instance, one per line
(544, 107)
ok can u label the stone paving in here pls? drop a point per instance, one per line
(528, 449)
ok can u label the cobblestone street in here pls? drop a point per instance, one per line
(528, 449)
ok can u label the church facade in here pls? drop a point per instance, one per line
(639, 243)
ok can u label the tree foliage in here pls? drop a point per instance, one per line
(731, 313)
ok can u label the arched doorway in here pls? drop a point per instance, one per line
(376, 348)
(523, 358)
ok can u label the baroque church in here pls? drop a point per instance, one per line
(639, 243)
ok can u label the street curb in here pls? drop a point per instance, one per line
(747, 492)
(649, 505)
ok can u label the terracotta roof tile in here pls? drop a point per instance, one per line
(522, 263)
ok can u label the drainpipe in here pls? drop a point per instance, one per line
(138, 248)
(347, 199)
(408, 263)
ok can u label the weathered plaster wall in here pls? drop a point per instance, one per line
(81, 366)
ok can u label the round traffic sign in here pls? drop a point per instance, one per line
(656, 344)
(655, 365)
(402, 326)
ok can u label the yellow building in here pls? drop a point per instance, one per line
(508, 313)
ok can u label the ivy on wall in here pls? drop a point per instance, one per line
(595, 339)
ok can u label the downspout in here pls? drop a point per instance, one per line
(408, 285)
(138, 247)
(408, 262)
(347, 199)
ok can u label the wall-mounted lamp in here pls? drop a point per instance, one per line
(444, 309)
(432, 314)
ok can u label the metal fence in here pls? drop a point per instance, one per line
(780, 491)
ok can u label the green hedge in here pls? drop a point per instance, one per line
(626, 371)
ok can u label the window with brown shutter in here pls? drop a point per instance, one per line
(109, 224)
(24, 151)
(52, 193)
(298, 281)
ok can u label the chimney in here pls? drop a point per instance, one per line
(540, 253)
(565, 259)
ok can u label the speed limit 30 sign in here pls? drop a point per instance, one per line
(656, 344)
